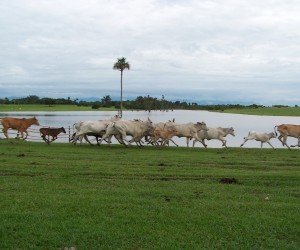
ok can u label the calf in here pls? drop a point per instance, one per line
(161, 126)
(164, 134)
(262, 137)
(53, 132)
(214, 134)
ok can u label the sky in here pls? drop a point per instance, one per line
(205, 51)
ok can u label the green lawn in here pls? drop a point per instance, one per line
(274, 111)
(112, 197)
(40, 107)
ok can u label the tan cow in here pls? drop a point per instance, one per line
(286, 130)
(19, 124)
(164, 134)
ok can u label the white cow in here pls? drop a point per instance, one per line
(188, 130)
(136, 128)
(214, 133)
(95, 128)
(262, 137)
(76, 128)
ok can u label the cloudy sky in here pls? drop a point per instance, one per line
(216, 51)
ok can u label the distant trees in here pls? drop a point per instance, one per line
(139, 103)
(106, 101)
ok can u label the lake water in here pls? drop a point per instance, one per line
(241, 123)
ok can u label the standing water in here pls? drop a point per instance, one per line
(242, 124)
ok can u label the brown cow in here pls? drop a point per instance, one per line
(20, 124)
(164, 134)
(286, 130)
(53, 132)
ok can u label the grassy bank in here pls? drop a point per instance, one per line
(147, 198)
(40, 107)
(274, 111)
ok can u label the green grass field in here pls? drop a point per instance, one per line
(39, 107)
(274, 111)
(112, 197)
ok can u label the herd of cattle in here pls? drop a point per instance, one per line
(146, 131)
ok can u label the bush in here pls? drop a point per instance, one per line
(96, 106)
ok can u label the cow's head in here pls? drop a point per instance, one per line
(201, 126)
(272, 135)
(230, 131)
(35, 121)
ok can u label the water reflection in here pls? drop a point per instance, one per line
(241, 123)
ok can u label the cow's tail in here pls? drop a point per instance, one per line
(74, 126)
(275, 129)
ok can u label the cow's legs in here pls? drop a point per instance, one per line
(201, 141)
(137, 140)
(22, 134)
(187, 141)
(297, 145)
(87, 139)
(283, 141)
(4, 130)
(123, 138)
(26, 134)
(270, 144)
(245, 140)
(223, 142)
(75, 138)
(119, 139)
(174, 142)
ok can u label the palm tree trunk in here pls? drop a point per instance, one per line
(121, 103)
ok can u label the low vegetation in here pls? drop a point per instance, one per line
(48, 108)
(112, 197)
(274, 111)
(34, 103)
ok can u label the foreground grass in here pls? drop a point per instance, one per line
(147, 198)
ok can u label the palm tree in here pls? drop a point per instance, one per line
(120, 65)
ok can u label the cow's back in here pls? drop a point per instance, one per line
(214, 133)
(11, 122)
(289, 130)
(128, 127)
(186, 129)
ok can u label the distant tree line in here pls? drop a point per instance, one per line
(140, 103)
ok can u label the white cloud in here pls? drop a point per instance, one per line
(173, 47)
